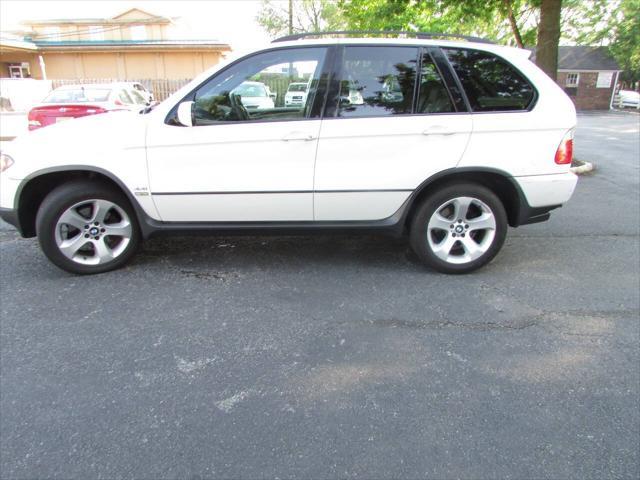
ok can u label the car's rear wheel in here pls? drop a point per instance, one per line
(85, 227)
(459, 228)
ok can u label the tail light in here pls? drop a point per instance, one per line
(34, 121)
(564, 153)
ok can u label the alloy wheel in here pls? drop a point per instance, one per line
(93, 232)
(461, 230)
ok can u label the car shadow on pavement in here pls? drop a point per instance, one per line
(282, 251)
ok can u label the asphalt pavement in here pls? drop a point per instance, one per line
(337, 357)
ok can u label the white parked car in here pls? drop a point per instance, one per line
(452, 153)
(142, 90)
(296, 94)
(628, 98)
(254, 95)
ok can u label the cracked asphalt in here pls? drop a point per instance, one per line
(337, 357)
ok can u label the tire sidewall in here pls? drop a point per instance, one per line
(419, 226)
(58, 201)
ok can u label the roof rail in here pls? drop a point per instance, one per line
(419, 35)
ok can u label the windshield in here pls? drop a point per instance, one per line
(79, 95)
(250, 90)
(298, 87)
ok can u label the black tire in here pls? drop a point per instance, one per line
(419, 233)
(66, 196)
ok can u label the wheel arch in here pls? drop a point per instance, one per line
(34, 188)
(498, 181)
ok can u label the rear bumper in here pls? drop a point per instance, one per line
(544, 191)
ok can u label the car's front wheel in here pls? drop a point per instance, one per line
(85, 227)
(459, 228)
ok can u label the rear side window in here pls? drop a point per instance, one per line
(377, 81)
(491, 84)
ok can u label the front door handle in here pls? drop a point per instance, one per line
(305, 137)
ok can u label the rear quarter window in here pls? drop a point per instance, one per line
(491, 84)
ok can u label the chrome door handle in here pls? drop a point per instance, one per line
(306, 137)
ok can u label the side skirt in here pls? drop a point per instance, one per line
(393, 225)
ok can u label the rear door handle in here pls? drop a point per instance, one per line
(305, 137)
(438, 130)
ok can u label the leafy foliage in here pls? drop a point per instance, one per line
(307, 16)
(615, 23)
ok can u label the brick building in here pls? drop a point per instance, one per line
(589, 75)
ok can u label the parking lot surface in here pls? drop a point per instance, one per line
(329, 356)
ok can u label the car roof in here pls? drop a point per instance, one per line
(110, 86)
(484, 46)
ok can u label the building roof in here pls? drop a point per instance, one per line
(16, 44)
(585, 58)
(133, 15)
(122, 45)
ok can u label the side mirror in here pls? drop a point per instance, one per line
(185, 114)
(273, 96)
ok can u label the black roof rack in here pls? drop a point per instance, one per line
(381, 33)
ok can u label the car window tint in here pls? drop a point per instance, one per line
(256, 89)
(433, 96)
(491, 84)
(377, 81)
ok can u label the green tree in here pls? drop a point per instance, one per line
(613, 23)
(625, 47)
(519, 22)
(279, 17)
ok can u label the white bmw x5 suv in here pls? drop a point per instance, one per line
(448, 141)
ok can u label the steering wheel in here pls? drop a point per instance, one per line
(239, 111)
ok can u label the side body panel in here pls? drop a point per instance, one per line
(233, 172)
(367, 167)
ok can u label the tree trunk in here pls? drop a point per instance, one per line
(513, 23)
(549, 37)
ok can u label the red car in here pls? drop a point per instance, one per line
(72, 101)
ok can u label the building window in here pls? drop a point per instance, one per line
(572, 79)
(604, 79)
(51, 34)
(19, 70)
(138, 32)
(96, 32)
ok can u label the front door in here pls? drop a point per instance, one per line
(248, 156)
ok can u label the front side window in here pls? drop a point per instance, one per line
(377, 81)
(256, 88)
(491, 84)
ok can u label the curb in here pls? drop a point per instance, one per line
(585, 167)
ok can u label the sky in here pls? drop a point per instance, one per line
(229, 21)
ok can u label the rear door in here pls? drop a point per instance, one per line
(390, 123)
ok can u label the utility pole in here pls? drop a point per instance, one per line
(290, 17)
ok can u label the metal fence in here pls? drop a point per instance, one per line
(161, 88)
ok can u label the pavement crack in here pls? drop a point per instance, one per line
(480, 326)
